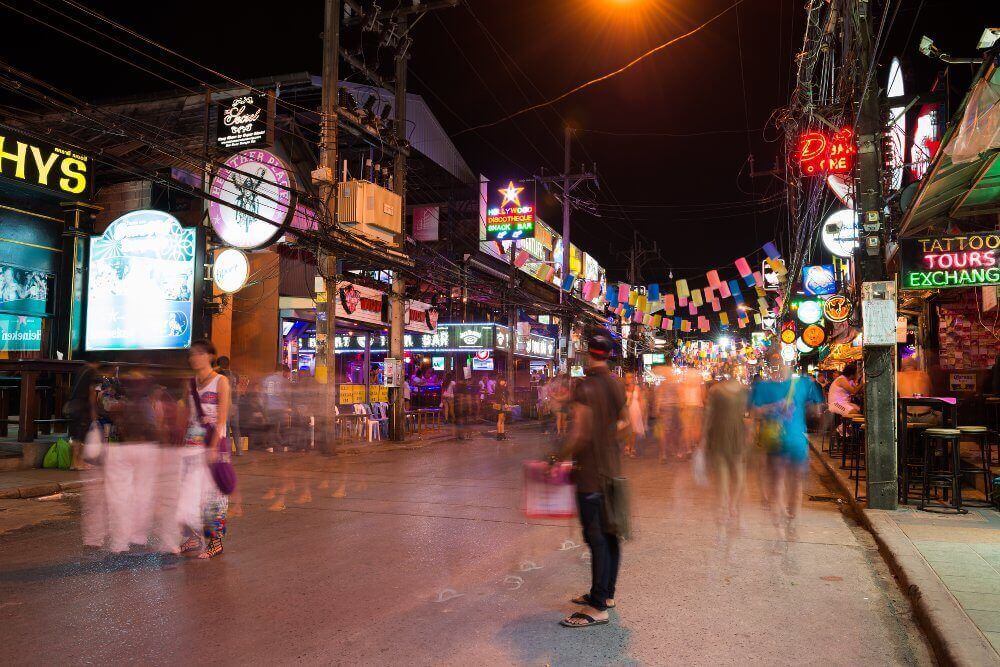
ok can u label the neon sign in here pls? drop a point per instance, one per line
(967, 260)
(507, 217)
(821, 153)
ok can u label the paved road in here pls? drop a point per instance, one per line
(424, 557)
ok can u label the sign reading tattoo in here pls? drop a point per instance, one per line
(255, 191)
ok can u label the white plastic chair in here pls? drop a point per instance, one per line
(369, 424)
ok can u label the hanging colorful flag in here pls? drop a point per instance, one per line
(743, 267)
(667, 324)
(668, 304)
(657, 320)
(734, 290)
(677, 323)
(724, 318)
(633, 297)
(637, 316)
(696, 297)
(716, 305)
(685, 325)
(591, 290)
(724, 290)
(522, 258)
(612, 296)
(771, 250)
(703, 323)
(756, 319)
(713, 278)
(749, 280)
(623, 291)
(759, 288)
(682, 289)
(641, 302)
(567, 283)
(758, 279)
(654, 292)
(692, 309)
(549, 271)
(777, 266)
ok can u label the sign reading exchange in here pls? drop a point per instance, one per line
(57, 169)
(963, 260)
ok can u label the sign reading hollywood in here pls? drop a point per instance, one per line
(57, 169)
(510, 213)
(246, 121)
(141, 284)
(254, 187)
(964, 260)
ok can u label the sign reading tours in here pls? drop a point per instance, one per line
(963, 260)
(822, 152)
(141, 283)
(255, 188)
(246, 121)
(510, 212)
(57, 169)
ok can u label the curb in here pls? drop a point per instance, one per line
(954, 637)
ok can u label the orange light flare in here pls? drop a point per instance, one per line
(626, 26)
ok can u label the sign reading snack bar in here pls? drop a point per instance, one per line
(54, 168)
(962, 260)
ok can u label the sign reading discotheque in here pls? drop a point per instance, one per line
(962, 260)
(58, 169)
(246, 121)
(510, 212)
(256, 190)
(141, 284)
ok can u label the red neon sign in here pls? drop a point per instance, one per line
(821, 153)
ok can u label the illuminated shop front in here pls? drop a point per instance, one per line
(43, 221)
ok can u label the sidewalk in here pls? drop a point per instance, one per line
(948, 564)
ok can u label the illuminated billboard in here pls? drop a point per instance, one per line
(141, 284)
(510, 212)
(822, 152)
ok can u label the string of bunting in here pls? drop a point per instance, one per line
(684, 307)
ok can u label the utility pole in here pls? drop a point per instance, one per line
(869, 265)
(326, 332)
(397, 296)
(567, 182)
(512, 321)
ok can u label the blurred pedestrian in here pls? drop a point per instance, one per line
(598, 404)
(233, 426)
(202, 506)
(139, 424)
(448, 398)
(80, 410)
(560, 396)
(780, 404)
(726, 442)
(635, 415)
(501, 398)
(691, 404)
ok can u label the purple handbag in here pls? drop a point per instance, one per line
(223, 472)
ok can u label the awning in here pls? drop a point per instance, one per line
(964, 179)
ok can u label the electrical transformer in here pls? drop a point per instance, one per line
(370, 210)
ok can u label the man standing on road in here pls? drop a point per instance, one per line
(598, 403)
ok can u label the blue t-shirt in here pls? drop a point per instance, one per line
(794, 442)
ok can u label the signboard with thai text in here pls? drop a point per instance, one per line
(962, 260)
(61, 170)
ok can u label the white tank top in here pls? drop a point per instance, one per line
(209, 395)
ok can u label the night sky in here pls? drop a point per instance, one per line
(692, 194)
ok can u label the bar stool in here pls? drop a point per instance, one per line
(911, 461)
(6, 392)
(981, 436)
(949, 475)
(858, 453)
(850, 440)
(992, 408)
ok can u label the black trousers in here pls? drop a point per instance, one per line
(605, 550)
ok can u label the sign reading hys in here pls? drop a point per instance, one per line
(246, 121)
(57, 169)
(965, 260)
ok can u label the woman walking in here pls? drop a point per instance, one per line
(635, 413)
(202, 506)
(448, 398)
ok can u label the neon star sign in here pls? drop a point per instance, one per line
(507, 217)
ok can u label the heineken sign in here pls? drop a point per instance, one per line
(962, 260)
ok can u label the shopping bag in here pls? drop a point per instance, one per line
(64, 454)
(93, 444)
(51, 459)
(548, 491)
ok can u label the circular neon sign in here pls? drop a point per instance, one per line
(802, 346)
(231, 270)
(840, 233)
(809, 312)
(254, 188)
